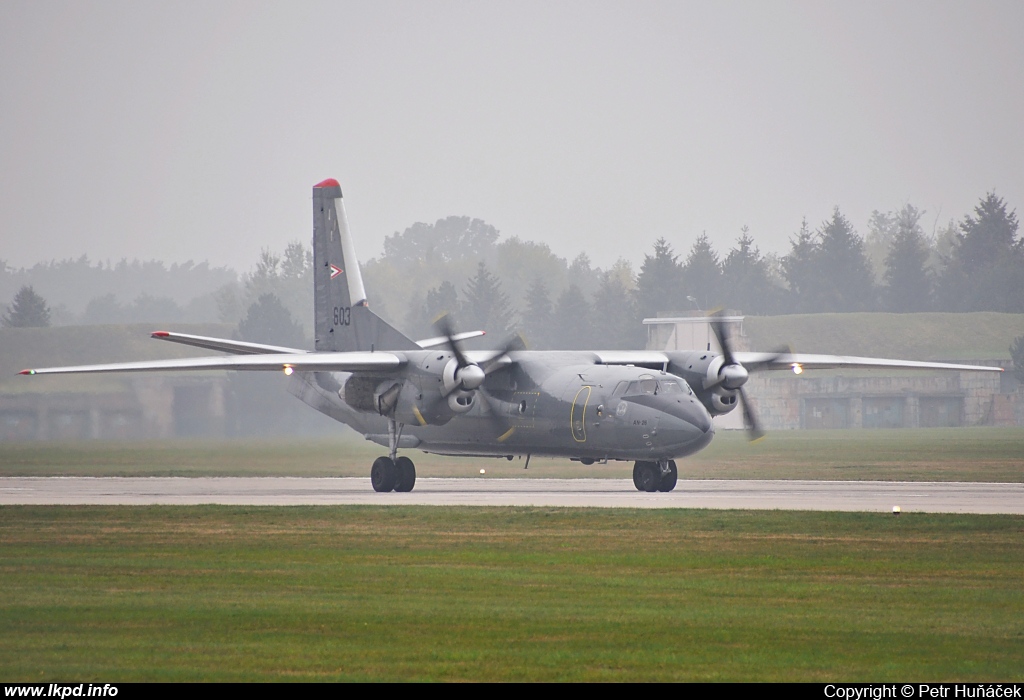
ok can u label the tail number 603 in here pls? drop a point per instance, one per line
(342, 315)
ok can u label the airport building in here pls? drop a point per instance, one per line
(143, 407)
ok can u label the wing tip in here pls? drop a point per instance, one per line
(160, 334)
(27, 371)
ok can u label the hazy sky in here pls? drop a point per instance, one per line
(195, 130)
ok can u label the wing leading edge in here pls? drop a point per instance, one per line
(280, 362)
(773, 361)
(767, 360)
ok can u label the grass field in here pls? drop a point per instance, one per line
(955, 454)
(364, 593)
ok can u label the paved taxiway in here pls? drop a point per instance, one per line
(933, 497)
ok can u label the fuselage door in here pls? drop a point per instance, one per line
(578, 414)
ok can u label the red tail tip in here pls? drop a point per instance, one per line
(329, 182)
(159, 334)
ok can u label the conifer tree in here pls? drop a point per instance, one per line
(486, 307)
(702, 274)
(573, 329)
(28, 310)
(800, 270)
(986, 269)
(745, 280)
(659, 284)
(845, 273)
(614, 317)
(908, 281)
(538, 323)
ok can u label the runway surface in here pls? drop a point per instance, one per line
(875, 496)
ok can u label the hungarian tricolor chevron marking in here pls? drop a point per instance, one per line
(335, 271)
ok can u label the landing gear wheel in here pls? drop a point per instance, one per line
(383, 474)
(646, 476)
(406, 474)
(668, 481)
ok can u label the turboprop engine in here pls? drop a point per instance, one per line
(724, 382)
(460, 383)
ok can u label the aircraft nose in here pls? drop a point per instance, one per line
(689, 412)
(685, 428)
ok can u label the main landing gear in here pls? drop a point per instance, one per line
(655, 476)
(393, 473)
(388, 474)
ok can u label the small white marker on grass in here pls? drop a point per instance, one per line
(896, 510)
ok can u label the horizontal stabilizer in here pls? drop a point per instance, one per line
(441, 340)
(235, 347)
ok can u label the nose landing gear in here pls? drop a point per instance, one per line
(655, 476)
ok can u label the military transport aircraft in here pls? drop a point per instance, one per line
(433, 395)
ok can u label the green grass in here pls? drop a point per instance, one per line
(365, 593)
(954, 454)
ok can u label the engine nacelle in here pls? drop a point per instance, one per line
(723, 380)
(461, 401)
(460, 384)
(701, 371)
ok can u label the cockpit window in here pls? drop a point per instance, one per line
(653, 387)
(669, 386)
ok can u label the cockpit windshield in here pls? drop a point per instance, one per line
(653, 387)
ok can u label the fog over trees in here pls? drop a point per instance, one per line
(465, 267)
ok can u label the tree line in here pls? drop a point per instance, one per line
(460, 265)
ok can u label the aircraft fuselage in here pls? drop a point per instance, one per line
(543, 404)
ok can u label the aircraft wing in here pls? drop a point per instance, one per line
(770, 360)
(298, 362)
(235, 347)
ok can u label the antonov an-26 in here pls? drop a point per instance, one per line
(641, 406)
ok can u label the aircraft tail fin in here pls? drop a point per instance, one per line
(344, 322)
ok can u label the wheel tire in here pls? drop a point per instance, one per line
(668, 481)
(406, 474)
(636, 475)
(383, 474)
(646, 476)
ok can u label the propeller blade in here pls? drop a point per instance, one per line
(722, 335)
(501, 424)
(514, 343)
(444, 327)
(770, 360)
(754, 431)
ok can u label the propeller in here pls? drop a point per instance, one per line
(468, 376)
(733, 375)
